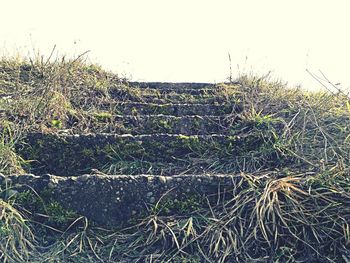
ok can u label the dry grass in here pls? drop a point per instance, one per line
(48, 95)
(17, 240)
(290, 203)
(10, 162)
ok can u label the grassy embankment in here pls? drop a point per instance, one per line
(291, 202)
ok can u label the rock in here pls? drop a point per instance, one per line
(162, 179)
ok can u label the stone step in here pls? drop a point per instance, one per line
(170, 95)
(104, 122)
(114, 200)
(175, 109)
(162, 154)
(184, 92)
(173, 98)
(172, 85)
(182, 98)
(165, 91)
(187, 125)
(179, 99)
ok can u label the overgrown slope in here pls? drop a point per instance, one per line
(286, 152)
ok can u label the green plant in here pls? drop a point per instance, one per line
(56, 124)
(58, 215)
(102, 116)
(186, 206)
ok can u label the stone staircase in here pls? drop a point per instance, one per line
(172, 139)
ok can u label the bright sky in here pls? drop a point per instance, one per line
(188, 40)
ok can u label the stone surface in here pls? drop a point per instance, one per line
(115, 199)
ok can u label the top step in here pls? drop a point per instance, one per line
(171, 85)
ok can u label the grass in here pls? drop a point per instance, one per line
(290, 201)
(17, 240)
(53, 95)
(10, 162)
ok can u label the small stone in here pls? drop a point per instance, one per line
(152, 200)
(150, 179)
(179, 179)
(133, 212)
(54, 180)
(84, 178)
(149, 194)
(162, 179)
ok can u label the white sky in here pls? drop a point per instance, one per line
(188, 40)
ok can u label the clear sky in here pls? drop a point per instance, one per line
(188, 40)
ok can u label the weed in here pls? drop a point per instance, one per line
(186, 206)
(102, 116)
(57, 215)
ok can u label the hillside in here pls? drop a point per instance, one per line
(95, 168)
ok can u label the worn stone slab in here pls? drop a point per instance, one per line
(63, 154)
(187, 125)
(115, 199)
(176, 91)
(167, 85)
(172, 91)
(160, 123)
(182, 98)
(176, 109)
